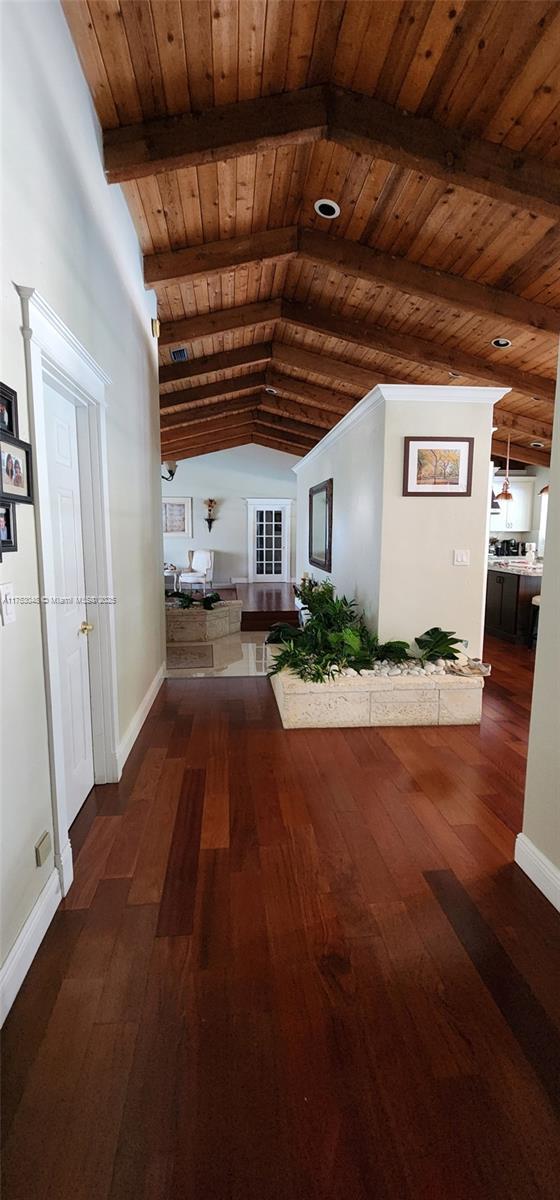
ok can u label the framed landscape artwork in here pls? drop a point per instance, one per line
(177, 516)
(438, 466)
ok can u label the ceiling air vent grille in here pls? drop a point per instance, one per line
(179, 355)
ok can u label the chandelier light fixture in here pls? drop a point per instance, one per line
(505, 493)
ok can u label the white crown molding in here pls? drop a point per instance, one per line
(541, 871)
(384, 392)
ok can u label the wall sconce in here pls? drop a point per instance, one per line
(168, 470)
(211, 512)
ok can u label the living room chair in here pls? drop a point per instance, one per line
(201, 570)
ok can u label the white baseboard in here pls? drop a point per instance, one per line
(543, 873)
(18, 962)
(126, 743)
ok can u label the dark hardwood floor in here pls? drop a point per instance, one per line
(295, 966)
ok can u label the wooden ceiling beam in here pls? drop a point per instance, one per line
(389, 270)
(262, 438)
(326, 398)
(517, 423)
(351, 259)
(369, 126)
(205, 413)
(244, 421)
(215, 135)
(198, 262)
(287, 355)
(524, 454)
(226, 360)
(361, 123)
(408, 347)
(223, 320)
(290, 425)
(298, 410)
(173, 403)
(226, 443)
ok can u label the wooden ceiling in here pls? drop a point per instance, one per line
(436, 128)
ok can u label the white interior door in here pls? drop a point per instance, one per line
(269, 540)
(69, 602)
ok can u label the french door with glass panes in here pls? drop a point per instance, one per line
(269, 540)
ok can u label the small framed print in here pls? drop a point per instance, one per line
(438, 466)
(8, 411)
(15, 470)
(177, 516)
(8, 530)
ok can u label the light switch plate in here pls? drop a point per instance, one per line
(7, 603)
(461, 558)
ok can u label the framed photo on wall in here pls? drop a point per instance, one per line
(8, 530)
(438, 466)
(16, 481)
(178, 516)
(8, 410)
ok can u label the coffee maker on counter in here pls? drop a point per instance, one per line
(509, 547)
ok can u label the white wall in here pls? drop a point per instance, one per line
(229, 476)
(538, 847)
(394, 553)
(355, 464)
(70, 236)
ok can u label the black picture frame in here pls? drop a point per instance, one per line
(8, 513)
(22, 449)
(8, 411)
(323, 491)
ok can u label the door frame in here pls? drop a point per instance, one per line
(253, 503)
(55, 357)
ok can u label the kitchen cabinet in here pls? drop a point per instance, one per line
(508, 604)
(515, 516)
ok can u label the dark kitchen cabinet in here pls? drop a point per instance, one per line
(508, 604)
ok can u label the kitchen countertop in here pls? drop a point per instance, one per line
(512, 566)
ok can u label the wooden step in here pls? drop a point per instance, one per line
(258, 619)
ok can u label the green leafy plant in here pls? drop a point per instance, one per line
(308, 587)
(438, 643)
(334, 637)
(186, 600)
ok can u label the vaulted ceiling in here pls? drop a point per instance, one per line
(435, 126)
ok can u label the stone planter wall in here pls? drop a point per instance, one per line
(203, 625)
(367, 699)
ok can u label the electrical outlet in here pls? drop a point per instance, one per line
(461, 558)
(42, 848)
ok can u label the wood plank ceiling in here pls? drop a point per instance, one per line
(436, 128)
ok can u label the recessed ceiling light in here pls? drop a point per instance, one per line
(271, 391)
(454, 374)
(501, 343)
(537, 445)
(327, 208)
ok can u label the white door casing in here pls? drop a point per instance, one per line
(269, 561)
(69, 599)
(54, 356)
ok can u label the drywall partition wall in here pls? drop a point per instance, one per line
(395, 553)
(351, 455)
(538, 847)
(70, 236)
(420, 585)
(229, 476)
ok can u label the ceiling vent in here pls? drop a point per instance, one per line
(179, 355)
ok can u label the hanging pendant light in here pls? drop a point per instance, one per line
(505, 493)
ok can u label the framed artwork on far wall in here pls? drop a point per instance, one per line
(8, 529)
(178, 516)
(438, 466)
(8, 410)
(16, 481)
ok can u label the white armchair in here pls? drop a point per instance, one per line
(200, 570)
